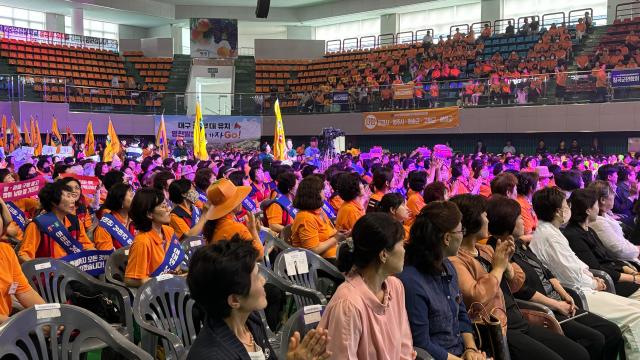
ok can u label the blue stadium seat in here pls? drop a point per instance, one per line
(513, 48)
(511, 40)
(488, 42)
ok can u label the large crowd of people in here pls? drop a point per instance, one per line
(423, 240)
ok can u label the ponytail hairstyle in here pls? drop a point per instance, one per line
(371, 234)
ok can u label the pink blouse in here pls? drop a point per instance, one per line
(362, 328)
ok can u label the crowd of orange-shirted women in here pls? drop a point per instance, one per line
(454, 71)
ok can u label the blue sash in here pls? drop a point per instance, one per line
(116, 229)
(253, 191)
(172, 258)
(195, 215)
(249, 205)
(401, 191)
(48, 223)
(287, 205)
(90, 261)
(18, 216)
(202, 196)
(328, 210)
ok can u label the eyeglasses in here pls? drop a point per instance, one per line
(457, 232)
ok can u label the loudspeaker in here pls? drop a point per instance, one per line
(262, 9)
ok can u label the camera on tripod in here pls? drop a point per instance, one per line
(331, 141)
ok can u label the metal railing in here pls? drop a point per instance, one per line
(580, 88)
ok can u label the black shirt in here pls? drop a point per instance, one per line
(217, 341)
(588, 247)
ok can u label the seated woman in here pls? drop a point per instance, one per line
(155, 249)
(13, 283)
(607, 228)
(601, 338)
(527, 185)
(311, 228)
(351, 191)
(366, 316)
(395, 205)
(82, 203)
(226, 201)
(115, 229)
(587, 245)
(186, 219)
(57, 232)
(280, 211)
(380, 185)
(21, 210)
(233, 328)
(488, 277)
(438, 319)
(417, 181)
(553, 250)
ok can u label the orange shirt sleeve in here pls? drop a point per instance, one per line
(347, 217)
(305, 232)
(102, 239)
(139, 258)
(274, 214)
(178, 225)
(30, 242)
(11, 273)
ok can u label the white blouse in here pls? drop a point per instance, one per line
(552, 248)
(610, 233)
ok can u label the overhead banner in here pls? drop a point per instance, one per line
(220, 130)
(622, 78)
(442, 118)
(214, 38)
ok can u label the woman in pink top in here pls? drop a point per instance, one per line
(366, 317)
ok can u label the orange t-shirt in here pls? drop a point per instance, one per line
(11, 274)
(33, 236)
(310, 228)
(415, 203)
(147, 253)
(102, 238)
(178, 224)
(29, 207)
(348, 214)
(227, 227)
(581, 27)
(601, 79)
(275, 214)
(528, 215)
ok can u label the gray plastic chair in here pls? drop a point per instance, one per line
(611, 287)
(310, 279)
(422, 354)
(270, 243)
(115, 268)
(51, 277)
(303, 296)
(295, 323)
(164, 311)
(23, 336)
(578, 296)
(190, 245)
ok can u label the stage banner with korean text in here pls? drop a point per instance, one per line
(220, 130)
(402, 92)
(442, 118)
(21, 189)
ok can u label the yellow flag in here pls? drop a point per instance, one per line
(279, 143)
(16, 139)
(4, 131)
(113, 143)
(199, 136)
(36, 138)
(56, 138)
(161, 139)
(27, 135)
(89, 141)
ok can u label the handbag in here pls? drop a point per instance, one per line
(488, 332)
